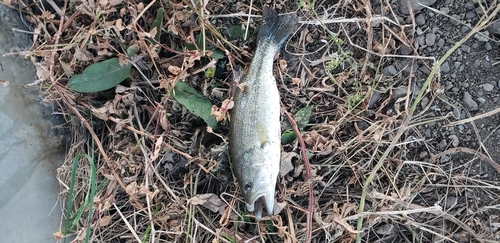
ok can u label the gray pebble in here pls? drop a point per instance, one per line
(488, 46)
(420, 20)
(470, 15)
(445, 10)
(465, 48)
(443, 144)
(424, 102)
(440, 42)
(461, 127)
(465, 84)
(423, 154)
(477, 63)
(469, 102)
(404, 8)
(445, 67)
(494, 27)
(469, 6)
(405, 50)
(421, 40)
(488, 87)
(389, 71)
(454, 140)
(375, 97)
(481, 100)
(464, 29)
(430, 39)
(399, 92)
(498, 84)
(483, 36)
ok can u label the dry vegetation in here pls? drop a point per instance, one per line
(141, 167)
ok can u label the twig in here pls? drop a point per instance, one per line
(307, 165)
(130, 228)
(471, 119)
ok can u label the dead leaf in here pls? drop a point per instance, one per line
(283, 65)
(286, 162)
(174, 70)
(209, 201)
(157, 149)
(340, 220)
(57, 235)
(104, 220)
(4, 83)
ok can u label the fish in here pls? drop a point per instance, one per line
(255, 128)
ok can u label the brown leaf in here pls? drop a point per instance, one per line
(286, 162)
(104, 220)
(174, 70)
(209, 201)
(283, 65)
(82, 55)
(157, 149)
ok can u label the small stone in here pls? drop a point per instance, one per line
(445, 68)
(469, 6)
(424, 102)
(430, 39)
(454, 140)
(423, 154)
(481, 100)
(421, 40)
(440, 42)
(445, 10)
(488, 46)
(389, 71)
(373, 100)
(498, 84)
(399, 92)
(405, 50)
(470, 15)
(465, 48)
(415, 5)
(494, 27)
(488, 87)
(477, 63)
(461, 127)
(443, 144)
(482, 36)
(420, 20)
(469, 102)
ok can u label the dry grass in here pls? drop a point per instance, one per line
(163, 177)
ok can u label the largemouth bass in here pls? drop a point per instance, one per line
(255, 129)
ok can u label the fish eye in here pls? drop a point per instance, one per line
(248, 186)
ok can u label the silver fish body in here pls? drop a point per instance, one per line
(255, 129)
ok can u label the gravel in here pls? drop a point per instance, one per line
(445, 68)
(430, 39)
(389, 71)
(469, 102)
(488, 87)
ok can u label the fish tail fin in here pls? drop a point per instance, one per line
(276, 29)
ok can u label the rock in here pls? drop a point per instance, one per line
(498, 84)
(440, 42)
(469, 102)
(399, 92)
(482, 36)
(389, 71)
(454, 140)
(481, 100)
(470, 15)
(445, 68)
(420, 20)
(442, 145)
(430, 39)
(415, 6)
(488, 46)
(488, 87)
(494, 27)
(469, 6)
(406, 50)
(421, 40)
(373, 100)
(465, 48)
(424, 102)
(445, 10)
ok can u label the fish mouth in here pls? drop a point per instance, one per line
(258, 202)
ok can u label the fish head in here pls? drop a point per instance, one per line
(258, 181)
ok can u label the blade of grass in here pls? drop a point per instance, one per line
(69, 205)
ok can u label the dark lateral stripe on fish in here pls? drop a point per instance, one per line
(276, 28)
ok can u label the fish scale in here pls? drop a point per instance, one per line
(255, 129)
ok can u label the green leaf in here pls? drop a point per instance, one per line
(100, 76)
(302, 119)
(302, 116)
(236, 32)
(158, 23)
(195, 103)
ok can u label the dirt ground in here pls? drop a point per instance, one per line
(397, 104)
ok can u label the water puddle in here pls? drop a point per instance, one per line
(29, 150)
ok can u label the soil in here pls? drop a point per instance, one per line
(410, 149)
